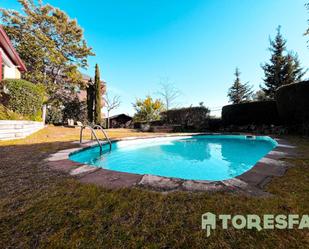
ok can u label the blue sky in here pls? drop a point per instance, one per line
(196, 44)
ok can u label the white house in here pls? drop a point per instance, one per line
(11, 64)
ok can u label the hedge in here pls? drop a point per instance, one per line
(23, 97)
(190, 118)
(6, 114)
(214, 124)
(138, 125)
(258, 112)
(293, 103)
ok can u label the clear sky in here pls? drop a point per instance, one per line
(196, 44)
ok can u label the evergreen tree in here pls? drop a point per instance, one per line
(292, 70)
(90, 100)
(259, 96)
(239, 92)
(282, 69)
(98, 96)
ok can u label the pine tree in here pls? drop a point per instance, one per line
(90, 100)
(292, 70)
(282, 69)
(259, 96)
(239, 92)
(98, 96)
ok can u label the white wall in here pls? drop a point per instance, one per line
(11, 72)
(15, 129)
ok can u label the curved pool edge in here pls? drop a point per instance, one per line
(251, 182)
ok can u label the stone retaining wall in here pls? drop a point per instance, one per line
(14, 129)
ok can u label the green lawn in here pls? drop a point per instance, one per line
(41, 208)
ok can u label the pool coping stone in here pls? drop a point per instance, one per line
(251, 182)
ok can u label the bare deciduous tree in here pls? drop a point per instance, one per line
(169, 93)
(112, 102)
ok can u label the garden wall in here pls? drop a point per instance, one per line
(293, 103)
(14, 129)
(258, 112)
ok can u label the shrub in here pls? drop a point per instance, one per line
(191, 118)
(75, 110)
(23, 97)
(293, 103)
(258, 112)
(147, 109)
(214, 124)
(54, 115)
(138, 125)
(6, 114)
(59, 113)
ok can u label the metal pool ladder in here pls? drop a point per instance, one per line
(93, 134)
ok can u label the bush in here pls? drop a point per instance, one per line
(214, 124)
(23, 97)
(293, 103)
(58, 112)
(191, 118)
(75, 110)
(54, 115)
(6, 114)
(258, 112)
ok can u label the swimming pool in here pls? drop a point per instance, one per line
(203, 157)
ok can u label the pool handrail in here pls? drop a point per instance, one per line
(105, 135)
(93, 134)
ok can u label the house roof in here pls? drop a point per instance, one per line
(120, 115)
(7, 46)
(86, 78)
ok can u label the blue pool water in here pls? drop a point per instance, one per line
(197, 158)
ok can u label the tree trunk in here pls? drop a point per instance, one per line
(107, 119)
(98, 96)
(90, 102)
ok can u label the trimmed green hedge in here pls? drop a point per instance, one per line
(190, 118)
(23, 97)
(214, 124)
(293, 103)
(258, 112)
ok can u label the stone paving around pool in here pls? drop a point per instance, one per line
(250, 183)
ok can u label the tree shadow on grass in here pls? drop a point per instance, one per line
(23, 167)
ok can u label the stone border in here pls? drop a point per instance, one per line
(251, 182)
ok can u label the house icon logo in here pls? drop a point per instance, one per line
(208, 222)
